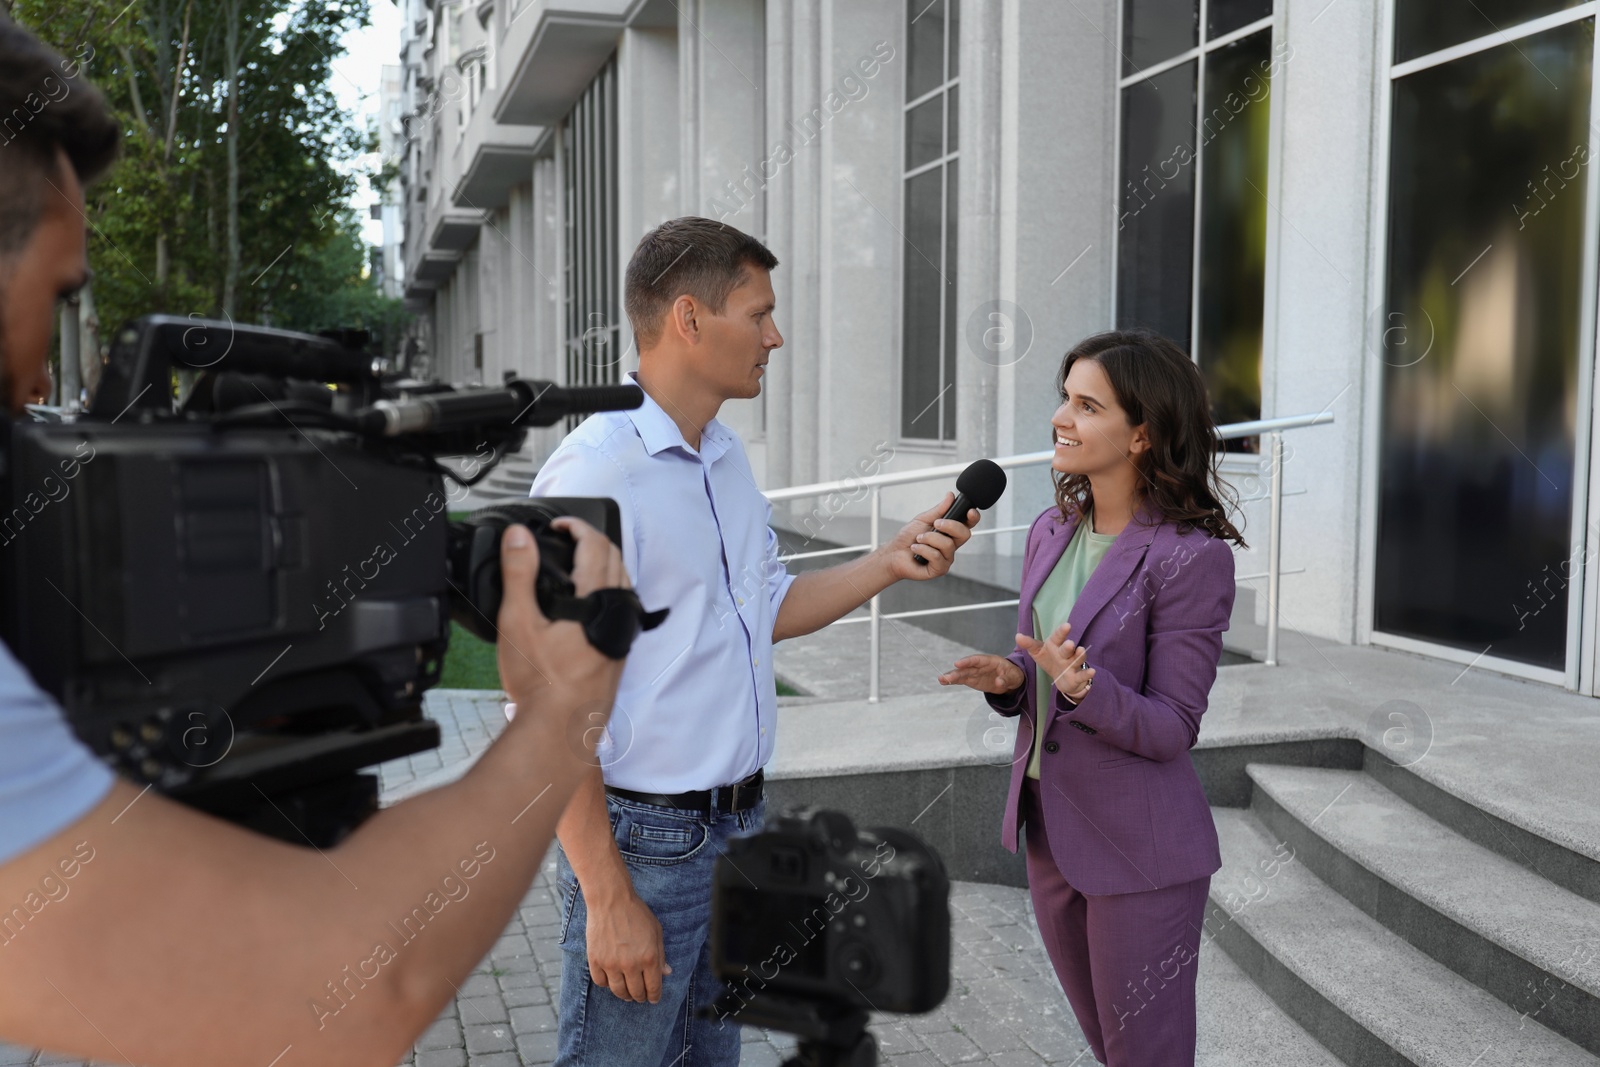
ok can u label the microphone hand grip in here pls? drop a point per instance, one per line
(958, 511)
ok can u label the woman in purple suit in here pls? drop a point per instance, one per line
(1127, 585)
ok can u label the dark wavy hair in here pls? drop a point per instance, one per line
(1158, 385)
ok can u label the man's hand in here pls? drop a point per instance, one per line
(985, 673)
(626, 954)
(933, 538)
(542, 660)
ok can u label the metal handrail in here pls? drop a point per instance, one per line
(1273, 429)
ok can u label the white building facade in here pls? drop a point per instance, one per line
(1378, 208)
(390, 207)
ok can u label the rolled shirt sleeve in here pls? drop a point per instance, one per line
(776, 575)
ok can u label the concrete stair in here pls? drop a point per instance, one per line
(1238, 1024)
(1393, 938)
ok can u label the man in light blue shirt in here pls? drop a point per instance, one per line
(679, 770)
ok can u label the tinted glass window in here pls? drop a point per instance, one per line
(924, 129)
(953, 15)
(1233, 225)
(923, 359)
(950, 335)
(1225, 16)
(1157, 30)
(1423, 26)
(924, 46)
(1155, 237)
(1479, 336)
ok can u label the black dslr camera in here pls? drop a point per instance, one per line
(814, 923)
(242, 600)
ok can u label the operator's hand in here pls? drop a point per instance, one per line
(933, 538)
(626, 954)
(542, 660)
(985, 673)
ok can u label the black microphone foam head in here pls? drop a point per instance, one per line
(982, 483)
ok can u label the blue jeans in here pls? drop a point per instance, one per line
(670, 856)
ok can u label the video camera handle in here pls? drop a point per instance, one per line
(144, 353)
(522, 402)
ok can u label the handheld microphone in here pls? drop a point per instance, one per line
(979, 486)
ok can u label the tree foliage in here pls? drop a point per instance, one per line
(192, 185)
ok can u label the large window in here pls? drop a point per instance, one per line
(1480, 331)
(1192, 207)
(589, 176)
(928, 337)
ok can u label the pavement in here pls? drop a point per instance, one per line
(1004, 1007)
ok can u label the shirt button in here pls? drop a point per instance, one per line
(763, 731)
(741, 602)
(757, 663)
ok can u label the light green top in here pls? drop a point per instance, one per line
(1052, 604)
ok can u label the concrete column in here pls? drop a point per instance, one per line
(1319, 349)
(444, 330)
(520, 282)
(492, 277)
(984, 207)
(543, 359)
(722, 112)
(722, 46)
(780, 236)
(1056, 154)
(856, 105)
(803, 201)
(67, 386)
(649, 188)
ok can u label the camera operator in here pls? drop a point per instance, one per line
(134, 929)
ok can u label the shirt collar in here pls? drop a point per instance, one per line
(658, 430)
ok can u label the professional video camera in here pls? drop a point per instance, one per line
(814, 923)
(240, 600)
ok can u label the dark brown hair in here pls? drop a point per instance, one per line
(1158, 385)
(44, 106)
(701, 257)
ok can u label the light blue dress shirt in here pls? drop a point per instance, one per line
(48, 778)
(697, 704)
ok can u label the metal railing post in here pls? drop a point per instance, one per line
(1274, 546)
(877, 623)
(1269, 430)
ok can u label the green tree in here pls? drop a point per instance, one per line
(332, 286)
(236, 164)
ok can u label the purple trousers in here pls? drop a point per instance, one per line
(1126, 961)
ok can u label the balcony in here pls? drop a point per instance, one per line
(451, 232)
(552, 51)
(432, 268)
(495, 157)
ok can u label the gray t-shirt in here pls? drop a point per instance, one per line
(48, 778)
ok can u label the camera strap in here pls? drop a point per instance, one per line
(611, 618)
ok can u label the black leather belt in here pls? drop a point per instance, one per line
(723, 800)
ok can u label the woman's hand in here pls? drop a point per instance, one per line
(985, 673)
(1061, 660)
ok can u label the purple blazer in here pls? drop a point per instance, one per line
(1123, 807)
